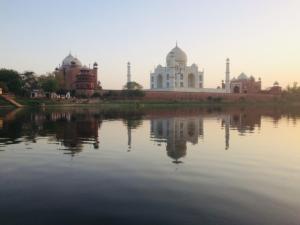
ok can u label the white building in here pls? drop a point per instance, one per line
(177, 76)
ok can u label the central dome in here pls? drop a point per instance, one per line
(71, 60)
(242, 76)
(176, 56)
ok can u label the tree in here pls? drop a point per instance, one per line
(30, 82)
(49, 84)
(295, 89)
(133, 86)
(3, 87)
(12, 80)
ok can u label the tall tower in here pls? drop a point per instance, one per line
(227, 131)
(227, 78)
(128, 72)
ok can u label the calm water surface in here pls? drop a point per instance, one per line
(180, 166)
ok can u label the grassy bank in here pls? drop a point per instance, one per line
(28, 102)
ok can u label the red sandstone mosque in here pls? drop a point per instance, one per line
(75, 77)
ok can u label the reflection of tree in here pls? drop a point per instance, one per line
(73, 128)
(245, 122)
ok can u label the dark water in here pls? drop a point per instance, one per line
(179, 166)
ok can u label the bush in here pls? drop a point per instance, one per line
(133, 93)
(96, 95)
(111, 94)
(84, 96)
(4, 87)
(12, 80)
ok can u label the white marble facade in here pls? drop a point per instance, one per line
(176, 75)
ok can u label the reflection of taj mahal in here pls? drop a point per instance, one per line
(176, 132)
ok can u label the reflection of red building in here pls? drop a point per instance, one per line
(244, 84)
(73, 76)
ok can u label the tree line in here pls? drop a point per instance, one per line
(23, 84)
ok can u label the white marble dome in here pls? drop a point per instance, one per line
(69, 60)
(176, 56)
(242, 76)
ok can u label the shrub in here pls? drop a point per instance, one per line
(132, 93)
(96, 95)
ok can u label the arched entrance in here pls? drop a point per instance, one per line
(191, 80)
(159, 81)
(236, 90)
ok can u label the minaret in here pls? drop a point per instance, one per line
(129, 137)
(227, 131)
(128, 72)
(227, 78)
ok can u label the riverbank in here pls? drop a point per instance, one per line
(140, 103)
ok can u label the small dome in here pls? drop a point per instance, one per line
(194, 65)
(242, 76)
(84, 68)
(176, 56)
(71, 60)
(276, 83)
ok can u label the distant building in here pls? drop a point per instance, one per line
(37, 93)
(245, 85)
(86, 81)
(276, 89)
(72, 76)
(176, 74)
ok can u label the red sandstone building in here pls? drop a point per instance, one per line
(74, 77)
(244, 85)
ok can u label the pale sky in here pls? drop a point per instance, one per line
(261, 37)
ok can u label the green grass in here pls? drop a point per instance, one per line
(137, 104)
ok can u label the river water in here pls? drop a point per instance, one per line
(165, 166)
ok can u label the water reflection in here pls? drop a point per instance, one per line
(176, 132)
(75, 130)
(71, 129)
(236, 178)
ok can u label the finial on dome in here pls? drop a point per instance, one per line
(176, 44)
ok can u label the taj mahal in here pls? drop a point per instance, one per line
(178, 76)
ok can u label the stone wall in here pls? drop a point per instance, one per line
(194, 96)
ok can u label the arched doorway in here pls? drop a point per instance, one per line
(191, 80)
(236, 90)
(159, 81)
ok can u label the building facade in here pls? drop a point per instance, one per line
(73, 76)
(176, 74)
(245, 85)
